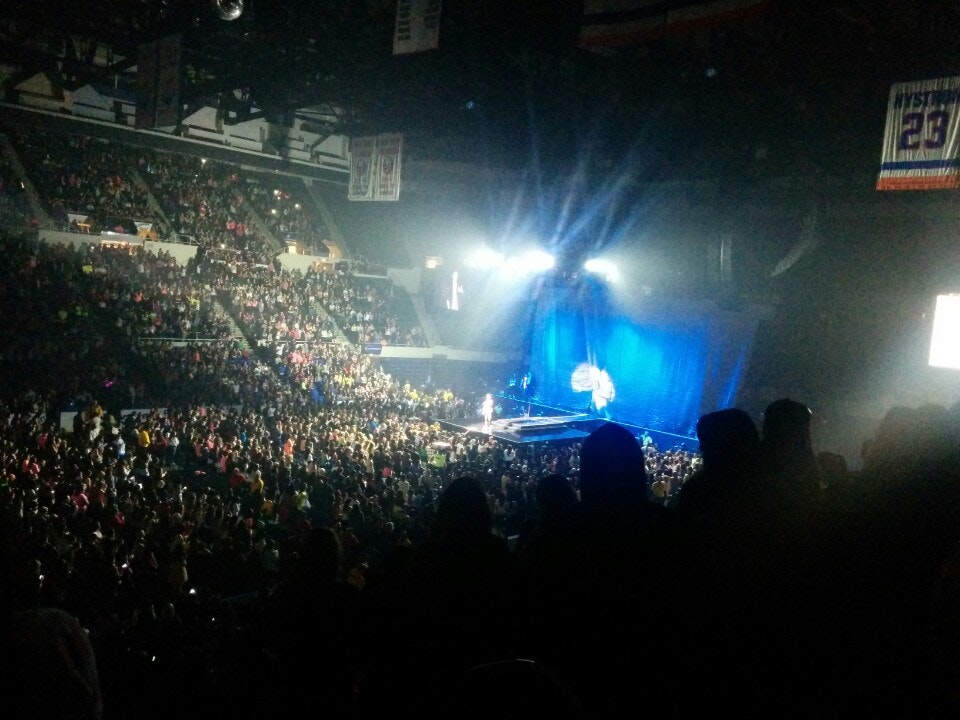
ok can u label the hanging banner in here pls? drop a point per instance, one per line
(417, 27)
(616, 23)
(375, 167)
(388, 152)
(922, 136)
(361, 168)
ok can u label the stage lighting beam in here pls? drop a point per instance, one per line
(485, 258)
(604, 268)
(531, 262)
(537, 261)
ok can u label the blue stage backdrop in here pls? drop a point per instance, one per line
(654, 363)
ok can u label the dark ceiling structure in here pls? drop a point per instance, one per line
(509, 83)
(287, 53)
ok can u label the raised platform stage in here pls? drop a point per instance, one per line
(524, 429)
(527, 425)
(531, 422)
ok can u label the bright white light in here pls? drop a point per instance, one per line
(530, 263)
(605, 268)
(537, 261)
(945, 344)
(485, 258)
(513, 267)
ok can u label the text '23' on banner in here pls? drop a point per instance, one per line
(922, 136)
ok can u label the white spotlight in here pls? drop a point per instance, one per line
(530, 263)
(604, 268)
(537, 261)
(485, 258)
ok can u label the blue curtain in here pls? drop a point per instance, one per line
(658, 364)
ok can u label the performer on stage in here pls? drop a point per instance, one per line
(487, 409)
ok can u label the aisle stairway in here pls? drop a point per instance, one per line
(262, 226)
(430, 331)
(336, 237)
(338, 332)
(236, 332)
(165, 225)
(9, 153)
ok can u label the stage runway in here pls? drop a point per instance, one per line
(522, 430)
(530, 422)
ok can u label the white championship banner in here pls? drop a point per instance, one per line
(375, 167)
(922, 136)
(361, 168)
(417, 27)
(389, 150)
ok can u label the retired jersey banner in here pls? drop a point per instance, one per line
(922, 137)
(389, 148)
(613, 23)
(361, 168)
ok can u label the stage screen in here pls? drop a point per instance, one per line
(945, 343)
(658, 364)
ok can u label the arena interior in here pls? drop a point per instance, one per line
(500, 359)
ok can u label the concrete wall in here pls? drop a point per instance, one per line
(57, 237)
(443, 352)
(407, 278)
(300, 262)
(181, 253)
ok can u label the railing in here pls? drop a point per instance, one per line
(183, 340)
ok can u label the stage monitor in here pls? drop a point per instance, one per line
(945, 343)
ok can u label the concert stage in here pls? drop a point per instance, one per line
(532, 422)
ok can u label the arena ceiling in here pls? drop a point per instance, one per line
(509, 83)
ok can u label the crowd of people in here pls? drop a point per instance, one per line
(278, 306)
(327, 461)
(352, 549)
(205, 202)
(197, 522)
(83, 176)
(285, 210)
(312, 517)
